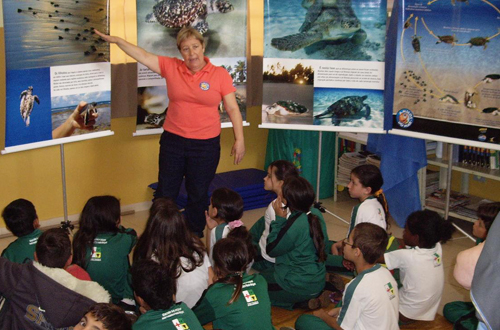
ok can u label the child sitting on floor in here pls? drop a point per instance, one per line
(224, 219)
(236, 301)
(421, 265)
(21, 219)
(104, 317)
(277, 172)
(168, 241)
(101, 246)
(154, 289)
(370, 300)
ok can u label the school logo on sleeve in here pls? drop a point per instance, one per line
(180, 324)
(250, 297)
(390, 291)
(204, 86)
(96, 254)
(437, 260)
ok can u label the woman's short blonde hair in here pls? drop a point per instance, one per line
(188, 32)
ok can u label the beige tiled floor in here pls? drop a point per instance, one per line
(337, 230)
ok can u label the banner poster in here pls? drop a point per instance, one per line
(222, 23)
(54, 61)
(447, 75)
(324, 65)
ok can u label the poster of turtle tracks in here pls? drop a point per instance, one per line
(324, 65)
(447, 79)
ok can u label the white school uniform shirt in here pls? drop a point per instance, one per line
(371, 211)
(370, 301)
(269, 217)
(422, 275)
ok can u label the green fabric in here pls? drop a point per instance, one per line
(219, 230)
(109, 264)
(394, 245)
(22, 248)
(256, 231)
(252, 309)
(461, 314)
(301, 147)
(178, 314)
(297, 268)
(310, 322)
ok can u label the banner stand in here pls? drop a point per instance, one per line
(317, 204)
(66, 224)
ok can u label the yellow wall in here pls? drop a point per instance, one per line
(119, 165)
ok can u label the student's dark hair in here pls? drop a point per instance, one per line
(299, 196)
(371, 240)
(152, 282)
(111, 316)
(53, 248)
(229, 204)
(19, 216)
(430, 228)
(371, 177)
(488, 212)
(231, 259)
(100, 214)
(168, 238)
(283, 169)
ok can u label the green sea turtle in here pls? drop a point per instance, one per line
(415, 43)
(314, 8)
(493, 110)
(490, 78)
(478, 41)
(180, 13)
(349, 106)
(27, 102)
(447, 40)
(333, 23)
(285, 108)
(449, 99)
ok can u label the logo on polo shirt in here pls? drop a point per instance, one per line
(437, 260)
(96, 254)
(390, 291)
(180, 324)
(250, 297)
(204, 86)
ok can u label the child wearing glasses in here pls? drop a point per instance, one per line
(370, 300)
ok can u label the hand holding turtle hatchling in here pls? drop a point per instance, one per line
(83, 117)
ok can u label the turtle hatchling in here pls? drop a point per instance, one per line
(332, 23)
(88, 112)
(181, 13)
(285, 108)
(347, 107)
(490, 78)
(27, 102)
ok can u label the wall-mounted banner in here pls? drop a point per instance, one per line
(58, 78)
(223, 25)
(447, 77)
(324, 65)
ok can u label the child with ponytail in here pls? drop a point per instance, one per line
(236, 301)
(421, 265)
(224, 219)
(297, 241)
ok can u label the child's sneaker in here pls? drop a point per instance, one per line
(321, 302)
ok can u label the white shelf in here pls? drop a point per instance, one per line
(469, 169)
(451, 214)
(361, 138)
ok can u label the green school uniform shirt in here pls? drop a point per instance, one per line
(297, 268)
(178, 317)
(251, 311)
(108, 263)
(22, 248)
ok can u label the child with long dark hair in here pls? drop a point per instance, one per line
(224, 219)
(421, 265)
(101, 246)
(236, 301)
(277, 172)
(168, 240)
(297, 241)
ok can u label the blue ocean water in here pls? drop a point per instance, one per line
(324, 97)
(44, 34)
(282, 18)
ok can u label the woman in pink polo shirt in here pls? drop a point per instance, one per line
(190, 143)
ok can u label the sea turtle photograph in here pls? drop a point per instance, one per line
(349, 108)
(221, 22)
(28, 100)
(325, 29)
